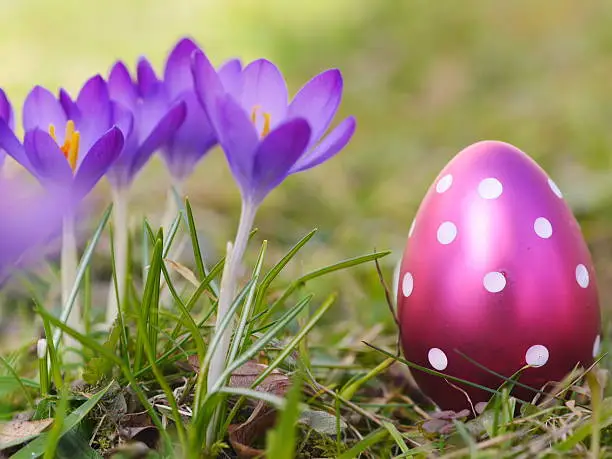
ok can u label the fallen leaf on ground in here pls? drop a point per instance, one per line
(16, 432)
(244, 436)
(442, 421)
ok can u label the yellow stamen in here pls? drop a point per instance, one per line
(70, 148)
(266, 126)
(267, 120)
(254, 113)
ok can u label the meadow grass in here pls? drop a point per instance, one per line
(424, 79)
(140, 389)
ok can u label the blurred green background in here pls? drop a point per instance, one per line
(425, 79)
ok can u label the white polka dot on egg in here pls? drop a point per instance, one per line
(597, 346)
(543, 227)
(555, 189)
(447, 232)
(494, 282)
(537, 355)
(490, 188)
(582, 276)
(407, 284)
(444, 183)
(437, 359)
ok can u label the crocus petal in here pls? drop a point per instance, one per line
(47, 160)
(121, 87)
(6, 115)
(119, 173)
(95, 109)
(149, 112)
(42, 109)
(177, 74)
(331, 145)
(11, 145)
(318, 102)
(238, 139)
(27, 220)
(160, 135)
(93, 99)
(97, 161)
(264, 90)
(147, 81)
(230, 74)
(191, 141)
(6, 110)
(69, 106)
(122, 118)
(207, 84)
(277, 153)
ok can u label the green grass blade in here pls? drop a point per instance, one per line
(151, 285)
(92, 344)
(195, 296)
(123, 338)
(287, 349)
(145, 249)
(240, 335)
(436, 373)
(149, 351)
(397, 437)
(351, 388)
(37, 447)
(272, 399)
(199, 419)
(276, 269)
(57, 429)
(214, 343)
(318, 273)
(195, 243)
(172, 231)
(282, 440)
(263, 341)
(54, 357)
(153, 323)
(368, 441)
(185, 315)
(14, 374)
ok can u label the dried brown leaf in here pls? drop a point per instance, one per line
(243, 437)
(15, 432)
(276, 382)
(184, 271)
(149, 435)
(442, 421)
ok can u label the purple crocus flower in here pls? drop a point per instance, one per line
(27, 220)
(155, 118)
(68, 146)
(151, 99)
(6, 114)
(264, 137)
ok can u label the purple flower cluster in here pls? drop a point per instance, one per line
(114, 125)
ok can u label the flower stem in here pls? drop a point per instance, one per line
(226, 297)
(68, 276)
(228, 290)
(121, 240)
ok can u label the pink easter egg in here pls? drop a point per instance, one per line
(495, 268)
